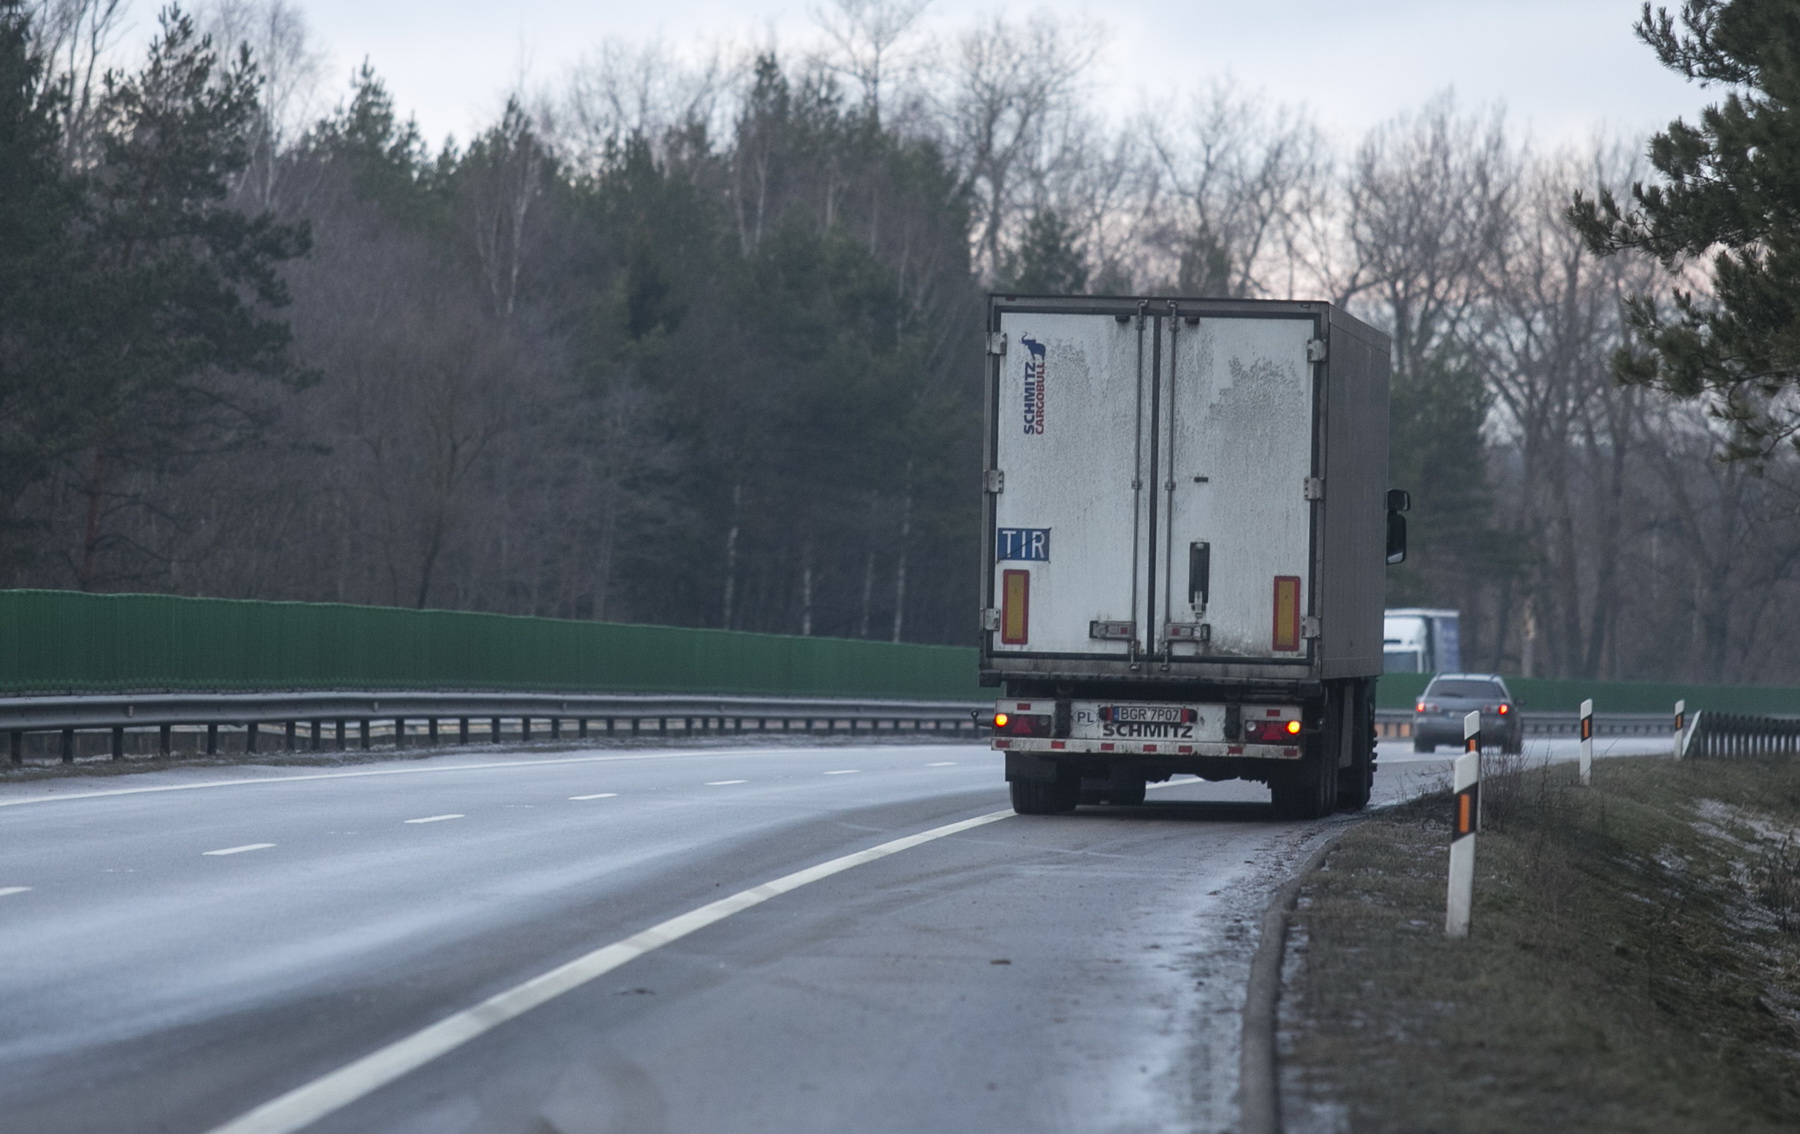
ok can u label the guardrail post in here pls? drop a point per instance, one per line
(462, 730)
(581, 728)
(68, 746)
(212, 739)
(293, 730)
(15, 743)
(525, 729)
(494, 730)
(363, 728)
(316, 729)
(399, 733)
(250, 737)
(1587, 743)
(118, 742)
(1465, 821)
(163, 739)
(340, 734)
(431, 731)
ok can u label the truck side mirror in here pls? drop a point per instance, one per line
(1399, 500)
(1396, 538)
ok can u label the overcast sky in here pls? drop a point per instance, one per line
(1564, 69)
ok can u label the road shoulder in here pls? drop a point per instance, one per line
(1635, 962)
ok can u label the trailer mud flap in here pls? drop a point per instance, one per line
(1026, 766)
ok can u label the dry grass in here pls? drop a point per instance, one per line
(1635, 964)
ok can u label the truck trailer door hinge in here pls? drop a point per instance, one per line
(1314, 488)
(997, 344)
(1316, 350)
(990, 619)
(993, 480)
(1309, 626)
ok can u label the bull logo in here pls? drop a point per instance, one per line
(1034, 385)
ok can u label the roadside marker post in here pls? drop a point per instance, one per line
(1465, 820)
(1680, 726)
(1587, 743)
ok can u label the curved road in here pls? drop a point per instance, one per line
(183, 946)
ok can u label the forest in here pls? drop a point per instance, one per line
(695, 338)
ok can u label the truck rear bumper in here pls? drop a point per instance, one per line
(1075, 746)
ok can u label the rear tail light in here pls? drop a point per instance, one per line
(1505, 709)
(1022, 724)
(1271, 732)
(1426, 707)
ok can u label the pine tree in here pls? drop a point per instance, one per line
(1731, 183)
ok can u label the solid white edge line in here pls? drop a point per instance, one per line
(239, 850)
(597, 795)
(6, 891)
(436, 818)
(312, 1101)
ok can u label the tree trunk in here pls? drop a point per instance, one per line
(900, 566)
(90, 538)
(731, 542)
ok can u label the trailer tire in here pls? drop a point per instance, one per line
(1306, 791)
(1422, 745)
(1357, 782)
(1045, 797)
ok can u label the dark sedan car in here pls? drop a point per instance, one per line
(1438, 717)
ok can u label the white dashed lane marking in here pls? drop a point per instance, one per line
(724, 783)
(596, 795)
(7, 890)
(844, 772)
(942, 764)
(436, 818)
(239, 850)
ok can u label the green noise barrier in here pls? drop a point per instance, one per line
(69, 642)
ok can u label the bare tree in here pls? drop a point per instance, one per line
(867, 43)
(291, 68)
(77, 36)
(1009, 91)
(1244, 181)
(1430, 200)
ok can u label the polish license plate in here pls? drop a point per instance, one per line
(1146, 714)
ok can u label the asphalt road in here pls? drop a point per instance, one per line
(183, 946)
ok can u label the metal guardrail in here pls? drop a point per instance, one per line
(324, 721)
(1738, 736)
(1397, 723)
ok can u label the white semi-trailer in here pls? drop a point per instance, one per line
(1187, 525)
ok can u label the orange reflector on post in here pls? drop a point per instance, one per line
(1287, 612)
(1015, 607)
(1468, 814)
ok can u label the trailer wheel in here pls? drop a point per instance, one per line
(1307, 790)
(1420, 744)
(1039, 797)
(1357, 782)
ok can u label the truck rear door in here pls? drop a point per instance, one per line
(1234, 461)
(1152, 481)
(1067, 532)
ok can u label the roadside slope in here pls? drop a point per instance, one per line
(1635, 963)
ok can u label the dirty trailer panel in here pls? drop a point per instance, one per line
(1157, 490)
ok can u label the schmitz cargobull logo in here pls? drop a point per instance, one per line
(1034, 384)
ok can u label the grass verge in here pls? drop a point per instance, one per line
(1634, 966)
